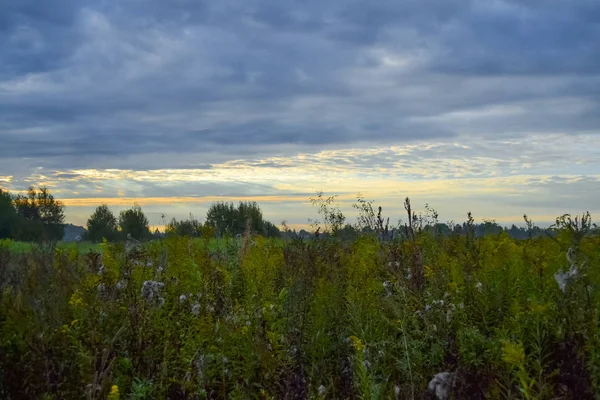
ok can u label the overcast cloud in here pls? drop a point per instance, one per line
(240, 98)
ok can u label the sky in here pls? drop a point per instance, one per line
(488, 106)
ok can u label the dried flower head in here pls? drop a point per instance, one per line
(196, 308)
(441, 384)
(563, 278)
(322, 391)
(151, 290)
(122, 284)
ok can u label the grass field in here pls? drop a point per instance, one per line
(25, 247)
(424, 316)
(85, 247)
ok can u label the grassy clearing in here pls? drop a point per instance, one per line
(86, 247)
(423, 317)
(26, 247)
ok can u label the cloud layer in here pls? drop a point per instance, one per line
(237, 98)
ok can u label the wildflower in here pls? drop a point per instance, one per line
(427, 307)
(563, 278)
(160, 269)
(387, 286)
(76, 300)
(161, 301)
(538, 308)
(479, 287)
(114, 393)
(122, 284)
(428, 271)
(196, 309)
(248, 323)
(210, 309)
(397, 391)
(441, 384)
(513, 353)
(358, 345)
(366, 364)
(151, 290)
(101, 289)
(322, 390)
(182, 298)
(450, 313)
(225, 360)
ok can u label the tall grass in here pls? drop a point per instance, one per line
(420, 316)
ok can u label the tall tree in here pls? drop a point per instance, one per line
(133, 222)
(223, 218)
(102, 224)
(190, 227)
(8, 215)
(41, 216)
(227, 219)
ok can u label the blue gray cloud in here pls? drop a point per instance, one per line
(142, 85)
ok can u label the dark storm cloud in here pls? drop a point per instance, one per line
(98, 83)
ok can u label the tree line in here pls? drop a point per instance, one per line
(35, 216)
(38, 216)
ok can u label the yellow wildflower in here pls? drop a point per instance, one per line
(428, 272)
(114, 393)
(538, 308)
(357, 343)
(76, 300)
(513, 353)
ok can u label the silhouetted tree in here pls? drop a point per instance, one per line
(223, 218)
(226, 219)
(190, 227)
(102, 224)
(41, 216)
(133, 222)
(8, 215)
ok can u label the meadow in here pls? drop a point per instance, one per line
(420, 316)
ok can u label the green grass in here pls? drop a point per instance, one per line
(269, 319)
(26, 247)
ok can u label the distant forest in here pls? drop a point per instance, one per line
(38, 216)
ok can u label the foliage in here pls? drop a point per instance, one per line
(258, 318)
(8, 215)
(41, 217)
(190, 227)
(102, 224)
(133, 223)
(331, 217)
(229, 220)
